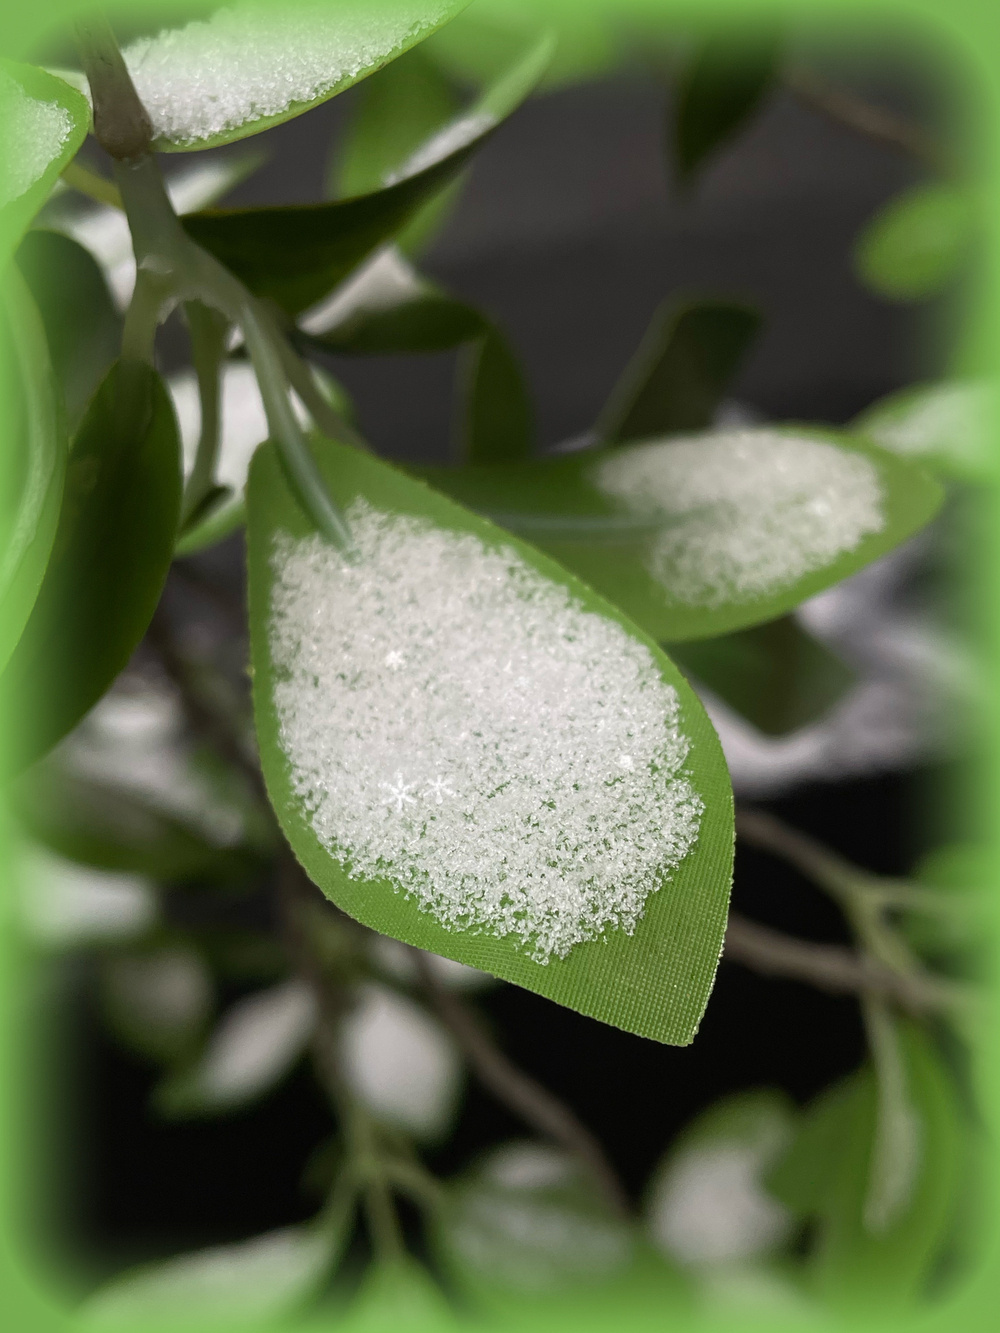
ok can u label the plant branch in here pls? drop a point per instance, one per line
(846, 108)
(208, 344)
(527, 1098)
(834, 968)
(95, 186)
(121, 125)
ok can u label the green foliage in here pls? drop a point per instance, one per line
(109, 562)
(16, 213)
(949, 426)
(496, 423)
(556, 504)
(918, 242)
(680, 371)
(776, 675)
(720, 87)
(82, 327)
(296, 255)
(32, 469)
(827, 1176)
(655, 982)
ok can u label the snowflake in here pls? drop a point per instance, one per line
(626, 761)
(439, 789)
(399, 793)
(395, 659)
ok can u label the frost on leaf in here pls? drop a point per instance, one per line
(34, 133)
(456, 723)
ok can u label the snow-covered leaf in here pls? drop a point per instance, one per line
(952, 426)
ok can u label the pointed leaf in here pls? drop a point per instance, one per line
(82, 326)
(249, 65)
(109, 562)
(296, 255)
(916, 243)
(677, 377)
(496, 419)
(720, 88)
(502, 790)
(775, 675)
(950, 426)
(45, 121)
(32, 461)
(697, 536)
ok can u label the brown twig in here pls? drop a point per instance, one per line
(833, 967)
(846, 108)
(121, 124)
(527, 1098)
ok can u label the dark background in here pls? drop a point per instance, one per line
(569, 234)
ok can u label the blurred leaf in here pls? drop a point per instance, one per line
(249, 66)
(397, 110)
(655, 981)
(400, 1063)
(33, 462)
(65, 906)
(918, 242)
(82, 326)
(255, 1045)
(706, 1203)
(620, 547)
(950, 426)
(496, 419)
(956, 938)
(112, 828)
(676, 379)
(525, 1221)
(45, 121)
(296, 255)
(397, 1294)
(157, 1001)
(826, 1174)
(109, 562)
(241, 1285)
(775, 675)
(719, 89)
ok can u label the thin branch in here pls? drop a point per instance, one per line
(834, 968)
(527, 1098)
(121, 124)
(846, 108)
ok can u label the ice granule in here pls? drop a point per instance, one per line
(462, 726)
(746, 513)
(250, 61)
(34, 133)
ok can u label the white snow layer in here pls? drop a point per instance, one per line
(34, 133)
(747, 512)
(461, 725)
(251, 61)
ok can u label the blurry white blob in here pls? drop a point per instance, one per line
(244, 422)
(400, 1062)
(449, 139)
(34, 132)
(382, 282)
(255, 1044)
(954, 421)
(242, 1285)
(162, 996)
(397, 960)
(528, 1166)
(63, 905)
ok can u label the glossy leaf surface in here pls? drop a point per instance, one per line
(654, 982)
(557, 504)
(296, 255)
(109, 561)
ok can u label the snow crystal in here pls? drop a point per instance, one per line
(250, 61)
(514, 706)
(747, 512)
(34, 133)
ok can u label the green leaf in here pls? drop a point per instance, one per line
(677, 377)
(157, 1000)
(45, 121)
(245, 1284)
(109, 562)
(775, 675)
(398, 1294)
(655, 981)
(496, 419)
(706, 1203)
(82, 326)
(916, 244)
(827, 1172)
(397, 110)
(653, 564)
(720, 88)
(33, 463)
(950, 426)
(296, 255)
(250, 66)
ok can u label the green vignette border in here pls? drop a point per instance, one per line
(968, 31)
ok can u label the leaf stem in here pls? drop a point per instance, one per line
(208, 344)
(895, 1158)
(92, 184)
